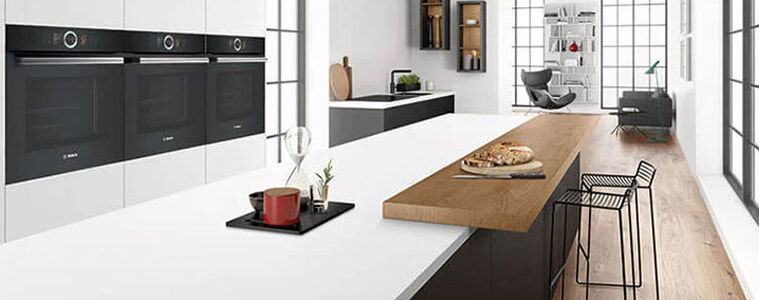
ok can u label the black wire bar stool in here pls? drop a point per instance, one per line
(642, 179)
(597, 200)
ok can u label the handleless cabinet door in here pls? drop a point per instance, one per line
(75, 13)
(187, 16)
(237, 17)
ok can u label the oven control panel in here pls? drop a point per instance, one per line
(52, 39)
(151, 42)
(236, 45)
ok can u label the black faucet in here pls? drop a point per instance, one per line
(392, 77)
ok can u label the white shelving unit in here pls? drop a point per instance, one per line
(576, 71)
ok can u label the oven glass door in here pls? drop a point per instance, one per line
(235, 99)
(63, 114)
(165, 107)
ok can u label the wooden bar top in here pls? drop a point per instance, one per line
(501, 204)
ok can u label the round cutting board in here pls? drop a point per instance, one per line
(530, 167)
(338, 81)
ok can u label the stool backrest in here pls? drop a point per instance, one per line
(645, 174)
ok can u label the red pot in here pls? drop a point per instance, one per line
(281, 206)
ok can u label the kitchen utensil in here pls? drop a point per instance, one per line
(298, 142)
(511, 176)
(530, 167)
(281, 206)
(339, 82)
(257, 201)
(348, 71)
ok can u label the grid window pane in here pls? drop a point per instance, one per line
(289, 14)
(272, 151)
(756, 116)
(625, 15)
(289, 104)
(658, 14)
(272, 109)
(736, 56)
(536, 17)
(536, 36)
(610, 97)
(756, 178)
(610, 77)
(272, 54)
(523, 17)
(736, 106)
(625, 36)
(756, 55)
(289, 57)
(736, 14)
(626, 78)
(272, 14)
(736, 156)
(625, 57)
(642, 14)
(642, 35)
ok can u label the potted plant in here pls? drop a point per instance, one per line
(408, 83)
(322, 183)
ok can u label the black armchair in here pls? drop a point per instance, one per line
(536, 84)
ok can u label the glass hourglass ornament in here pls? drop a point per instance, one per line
(298, 141)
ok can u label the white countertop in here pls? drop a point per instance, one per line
(391, 104)
(178, 247)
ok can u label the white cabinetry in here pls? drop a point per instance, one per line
(75, 13)
(164, 174)
(188, 16)
(229, 158)
(41, 204)
(236, 17)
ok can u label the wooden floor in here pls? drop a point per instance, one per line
(692, 260)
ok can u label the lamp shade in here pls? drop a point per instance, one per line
(652, 69)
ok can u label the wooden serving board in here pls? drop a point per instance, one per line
(530, 167)
(339, 82)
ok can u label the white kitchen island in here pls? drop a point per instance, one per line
(178, 247)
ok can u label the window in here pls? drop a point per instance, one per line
(741, 91)
(285, 78)
(633, 37)
(527, 45)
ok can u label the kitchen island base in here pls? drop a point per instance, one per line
(495, 264)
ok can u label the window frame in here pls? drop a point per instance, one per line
(617, 67)
(746, 189)
(301, 76)
(517, 85)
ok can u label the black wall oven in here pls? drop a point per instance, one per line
(165, 93)
(65, 100)
(236, 87)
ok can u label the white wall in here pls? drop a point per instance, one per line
(485, 93)
(317, 72)
(374, 34)
(699, 103)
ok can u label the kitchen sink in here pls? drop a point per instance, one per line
(388, 98)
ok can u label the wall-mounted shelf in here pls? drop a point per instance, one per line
(435, 25)
(472, 37)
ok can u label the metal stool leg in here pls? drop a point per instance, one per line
(622, 252)
(564, 254)
(637, 224)
(632, 250)
(550, 255)
(653, 238)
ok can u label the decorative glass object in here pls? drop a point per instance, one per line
(298, 141)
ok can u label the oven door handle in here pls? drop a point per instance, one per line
(65, 61)
(173, 60)
(231, 60)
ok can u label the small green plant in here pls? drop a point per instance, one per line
(409, 79)
(326, 176)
